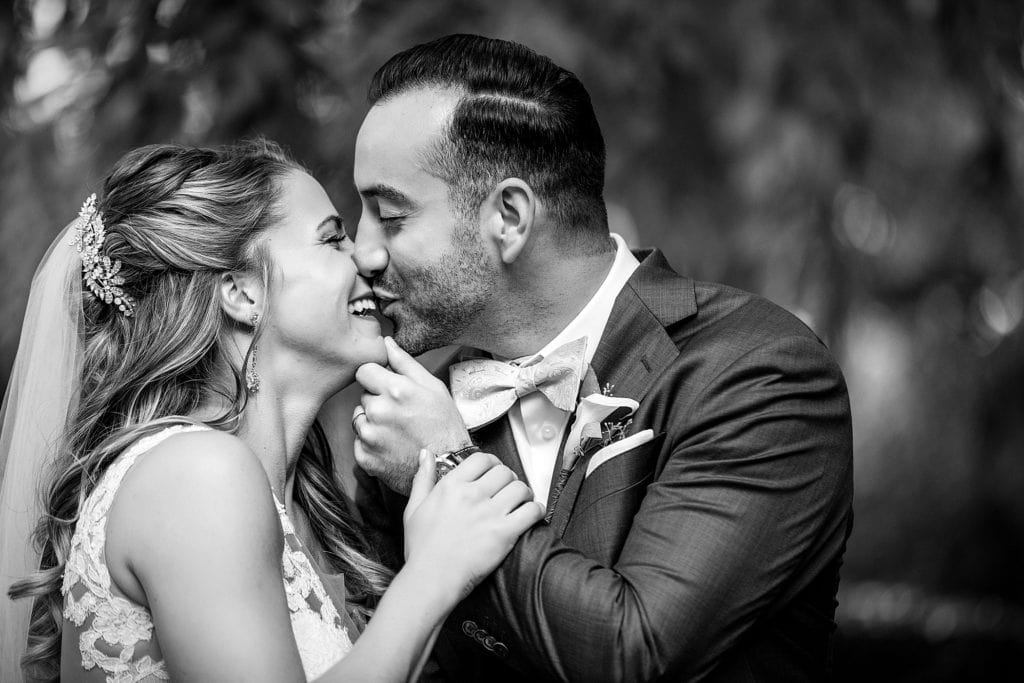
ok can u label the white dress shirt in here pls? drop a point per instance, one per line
(537, 425)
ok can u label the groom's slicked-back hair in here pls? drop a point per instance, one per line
(521, 115)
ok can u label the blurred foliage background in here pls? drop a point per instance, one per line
(859, 163)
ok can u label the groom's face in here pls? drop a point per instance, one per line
(429, 264)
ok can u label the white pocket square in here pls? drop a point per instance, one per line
(618, 448)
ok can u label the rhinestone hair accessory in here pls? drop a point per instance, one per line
(99, 272)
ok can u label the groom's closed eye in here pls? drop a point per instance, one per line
(387, 206)
(391, 222)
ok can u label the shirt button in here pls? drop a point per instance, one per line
(547, 432)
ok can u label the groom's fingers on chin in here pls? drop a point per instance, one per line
(369, 437)
(361, 456)
(401, 362)
(379, 411)
(374, 378)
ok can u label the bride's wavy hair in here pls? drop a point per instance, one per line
(177, 218)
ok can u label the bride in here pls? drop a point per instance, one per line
(171, 366)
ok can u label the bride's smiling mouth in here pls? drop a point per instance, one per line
(363, 306)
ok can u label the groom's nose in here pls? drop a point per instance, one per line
(370, 253)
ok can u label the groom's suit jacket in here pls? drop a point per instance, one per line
(711, 552)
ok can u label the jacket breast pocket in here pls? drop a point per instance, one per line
(608, 499)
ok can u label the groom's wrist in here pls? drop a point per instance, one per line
(449, 440)
(446, 461)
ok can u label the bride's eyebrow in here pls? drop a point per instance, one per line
(333, 219)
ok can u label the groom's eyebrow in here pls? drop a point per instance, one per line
(385, 192)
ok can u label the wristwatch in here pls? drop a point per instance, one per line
(449, 460)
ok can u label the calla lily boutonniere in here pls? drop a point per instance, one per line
(600, 421)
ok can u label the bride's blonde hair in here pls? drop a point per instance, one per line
(177, 218)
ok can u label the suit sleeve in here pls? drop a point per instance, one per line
(755, 485)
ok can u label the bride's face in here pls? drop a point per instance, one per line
(321, 312)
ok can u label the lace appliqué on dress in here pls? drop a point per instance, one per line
(118, 622)
(115, 626)
(318, 629)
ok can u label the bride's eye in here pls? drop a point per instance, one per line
(337, 237)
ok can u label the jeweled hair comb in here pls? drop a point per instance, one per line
(99, 272)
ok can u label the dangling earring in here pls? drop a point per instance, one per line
(252, 380)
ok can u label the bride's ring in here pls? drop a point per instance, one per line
(360, 412)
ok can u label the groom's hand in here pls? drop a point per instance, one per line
(406, 409)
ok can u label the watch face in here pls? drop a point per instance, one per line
(446, 463)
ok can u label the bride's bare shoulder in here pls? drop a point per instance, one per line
(199, 461)
(202, 484)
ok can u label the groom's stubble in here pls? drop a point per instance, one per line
(440, 301)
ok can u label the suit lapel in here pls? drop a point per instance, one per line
(556, 474)
(635, 348)
(497, 438)
(567, 499)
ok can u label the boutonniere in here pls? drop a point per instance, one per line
(600, 420)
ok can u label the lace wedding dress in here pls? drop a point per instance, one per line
(116, 634)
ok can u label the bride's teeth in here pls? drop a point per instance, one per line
(361, 306)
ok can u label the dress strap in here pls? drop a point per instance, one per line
(115, 473)
(111, 626)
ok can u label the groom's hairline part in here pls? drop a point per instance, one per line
(518, 115)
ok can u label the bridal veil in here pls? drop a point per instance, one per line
(43, 384)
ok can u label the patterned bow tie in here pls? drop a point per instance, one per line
(485, 389)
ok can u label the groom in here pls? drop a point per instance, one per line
(691, 441)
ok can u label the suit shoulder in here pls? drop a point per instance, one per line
(747, 319)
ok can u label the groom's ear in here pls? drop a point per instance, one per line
(241, 295)
(509, 213)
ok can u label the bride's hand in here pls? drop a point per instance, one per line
(459, 529)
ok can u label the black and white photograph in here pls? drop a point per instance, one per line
(565, 340)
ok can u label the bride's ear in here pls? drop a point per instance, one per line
(241, 296)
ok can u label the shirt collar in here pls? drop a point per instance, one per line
(593, 318)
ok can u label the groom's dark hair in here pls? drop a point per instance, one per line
(521, 115)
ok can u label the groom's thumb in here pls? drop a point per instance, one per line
(401, 362)
(423, 482)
